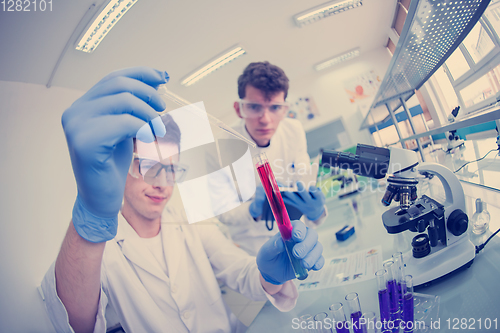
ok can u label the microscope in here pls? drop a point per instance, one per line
(442, 245)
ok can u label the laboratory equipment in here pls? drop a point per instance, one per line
(408, 304)
(344, 233)
(349, 185)
(392, 288)
(368, 322)
(167, 94)
(446, 223)
(481, 218)
(279, 211)
(383, 295)
(339, 320)
(400, 275)
(305, 323)
(321, 323)
(352, 300)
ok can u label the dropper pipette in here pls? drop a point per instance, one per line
(163, 91)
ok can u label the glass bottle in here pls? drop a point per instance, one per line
(481, 218)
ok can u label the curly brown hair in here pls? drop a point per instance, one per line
(270, 79)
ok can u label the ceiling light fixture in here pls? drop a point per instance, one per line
(213, 65)
(337, 59)
(103, 23)
(325, 10)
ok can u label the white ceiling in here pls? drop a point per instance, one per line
(180, 35)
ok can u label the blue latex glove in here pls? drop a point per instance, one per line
(273, 261)
(311, 203)
(99, 128)
(258, 200)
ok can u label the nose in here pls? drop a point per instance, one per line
(161, 179)
(266, 117)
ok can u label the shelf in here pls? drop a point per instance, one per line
(491, 113)
(432, 31)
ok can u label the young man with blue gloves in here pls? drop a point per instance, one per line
(122, 254)
(262, 89)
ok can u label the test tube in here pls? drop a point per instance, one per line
(383, 295)
(321, 323)
(305, 322)
(368, 322)
(339, 320)
(279, 211)
(400, 275)
(352, 300)
(394, 311)
(408, 308)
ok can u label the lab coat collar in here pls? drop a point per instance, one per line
(134, 250)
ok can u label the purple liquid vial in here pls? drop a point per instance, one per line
(342, 327)
(408, 311)
(383, 302)
(394, 311)
(393, 296)
(356, 327)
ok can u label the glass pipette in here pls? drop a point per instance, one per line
(163, 91)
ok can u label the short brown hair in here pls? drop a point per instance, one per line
(268, 78)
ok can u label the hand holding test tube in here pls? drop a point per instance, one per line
(300, 243)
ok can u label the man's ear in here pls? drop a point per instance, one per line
(236, 106)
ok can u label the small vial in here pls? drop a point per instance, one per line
(383, 295)
(339, 320)
(320, 321)
(355, 311)
(394, 311)
(305, 322)
(481, 218)
(369, 321)
(408, 308)
(400, 275)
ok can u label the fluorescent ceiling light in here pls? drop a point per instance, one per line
(337, 59)
(213, 65)
(325, 10)
(103, 23)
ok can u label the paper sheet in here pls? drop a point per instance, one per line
(350, 268)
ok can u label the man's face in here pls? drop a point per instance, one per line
(261, 129)
(148, 200)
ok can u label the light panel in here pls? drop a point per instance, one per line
(337, 59)
(213, 65)
(103, 23)
(325, 10)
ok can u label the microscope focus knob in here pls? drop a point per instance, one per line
(457, 222)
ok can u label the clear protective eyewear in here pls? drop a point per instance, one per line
(150, 170)
(256, 110)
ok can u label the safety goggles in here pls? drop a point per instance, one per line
(256, 110)
(150, 171)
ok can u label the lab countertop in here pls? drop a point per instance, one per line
(472, 293)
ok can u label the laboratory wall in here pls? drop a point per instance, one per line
(37, 195)
(327, 89)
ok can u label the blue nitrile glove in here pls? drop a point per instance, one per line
(273, 261)
(258, 200)
(99, 128)
(311, 203)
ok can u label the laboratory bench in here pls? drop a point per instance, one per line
(472, 294)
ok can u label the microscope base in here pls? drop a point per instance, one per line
(439, 262)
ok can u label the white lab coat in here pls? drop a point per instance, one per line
(287, 154)
(145, 299)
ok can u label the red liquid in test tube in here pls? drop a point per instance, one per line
(279, 211)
